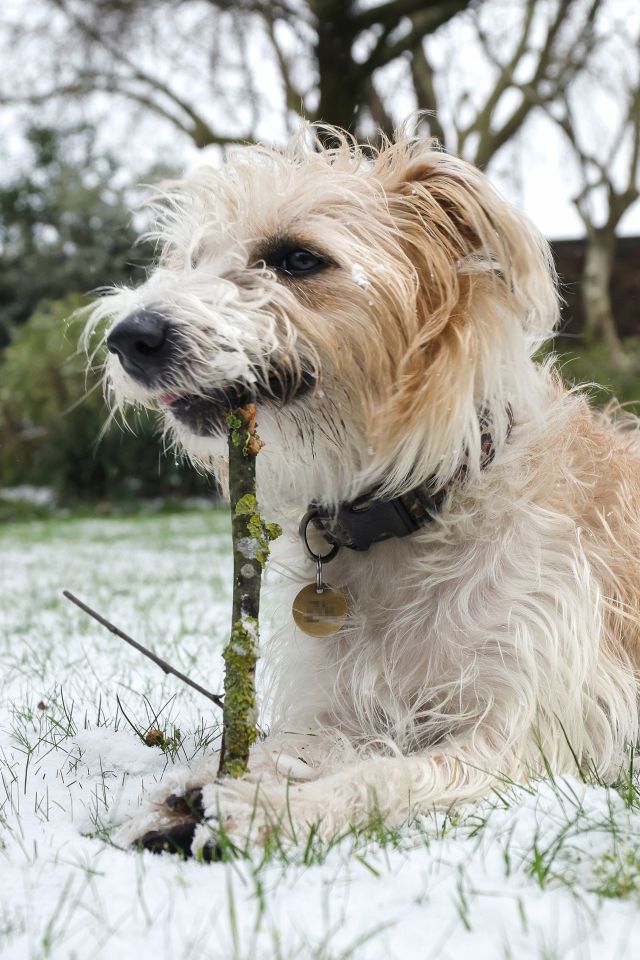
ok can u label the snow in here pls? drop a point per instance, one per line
(250, 627)
(359, 276)
(25, 493)
(550, 871)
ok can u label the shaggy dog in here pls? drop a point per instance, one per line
(384, 308)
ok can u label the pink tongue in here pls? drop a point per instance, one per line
(168, 398)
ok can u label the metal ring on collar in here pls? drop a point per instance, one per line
(302, 530)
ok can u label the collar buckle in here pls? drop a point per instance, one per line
(367, 520)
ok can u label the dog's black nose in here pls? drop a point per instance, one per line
(143, 344)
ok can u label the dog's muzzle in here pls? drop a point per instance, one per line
(150, 350)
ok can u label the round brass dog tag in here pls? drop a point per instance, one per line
(320, 614)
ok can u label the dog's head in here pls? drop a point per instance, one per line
(371, 305)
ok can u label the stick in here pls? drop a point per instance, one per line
(250, 550)
(143, 650)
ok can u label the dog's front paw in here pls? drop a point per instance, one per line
(212, 822)
(176, 818)
(185, 840)
(168, 826)
(244, 813)
(199, 814)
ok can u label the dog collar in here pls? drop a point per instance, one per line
(356, 524)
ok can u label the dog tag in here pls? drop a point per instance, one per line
(320, 612)
(318, 609)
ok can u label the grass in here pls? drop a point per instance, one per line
(24, 510)
(542, 870)
(581, 362)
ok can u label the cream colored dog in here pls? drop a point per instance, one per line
(384, 311)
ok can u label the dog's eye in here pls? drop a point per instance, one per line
(301, 263)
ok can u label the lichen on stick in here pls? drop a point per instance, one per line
(251, 537)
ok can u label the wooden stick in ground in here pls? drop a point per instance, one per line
(143, 650)
(251, 538)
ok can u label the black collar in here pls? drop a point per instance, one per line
(369, 518)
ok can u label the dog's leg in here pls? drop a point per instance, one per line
(390, 788)
(168, 819)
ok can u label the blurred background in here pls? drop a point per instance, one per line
(100, 96)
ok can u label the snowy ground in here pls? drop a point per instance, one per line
(550, 872)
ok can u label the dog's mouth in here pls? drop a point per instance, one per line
(205, 414)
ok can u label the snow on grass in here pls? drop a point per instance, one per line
(550, 871)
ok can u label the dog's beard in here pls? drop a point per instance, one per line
(219, 358)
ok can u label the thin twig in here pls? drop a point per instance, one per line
(143, 650)
(241, 652)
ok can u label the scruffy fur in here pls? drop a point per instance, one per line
(501, 640)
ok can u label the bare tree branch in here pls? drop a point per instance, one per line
(481, 123)
(108, 55)
(201, 135)
(423, 23)
(618, 200)
(378, 111)
(423, 82)
(275, 9)
(294, 97)
(602, 177)
(163, 664)
(551, 68)
(200, 131)
(391, 13)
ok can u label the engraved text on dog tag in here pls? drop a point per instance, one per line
(320, 613)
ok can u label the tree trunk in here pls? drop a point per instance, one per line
(341, 81)
(600, 322)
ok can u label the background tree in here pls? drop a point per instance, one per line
(248, 61)
(322, 54)
(65, 230)
(575, 62)
(526, 55)
(606, 151)
(220, 71)
(65, 226)
(52, 419)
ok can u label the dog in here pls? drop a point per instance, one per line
(383, 308)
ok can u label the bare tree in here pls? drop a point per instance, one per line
(124, 51)
(575, 62)
(346, 85)
(223, 71)
(527, 53)
(311, 47)
(208, 67)
(607, 156)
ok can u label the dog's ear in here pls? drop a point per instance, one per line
(456, 225)
(485, 297)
